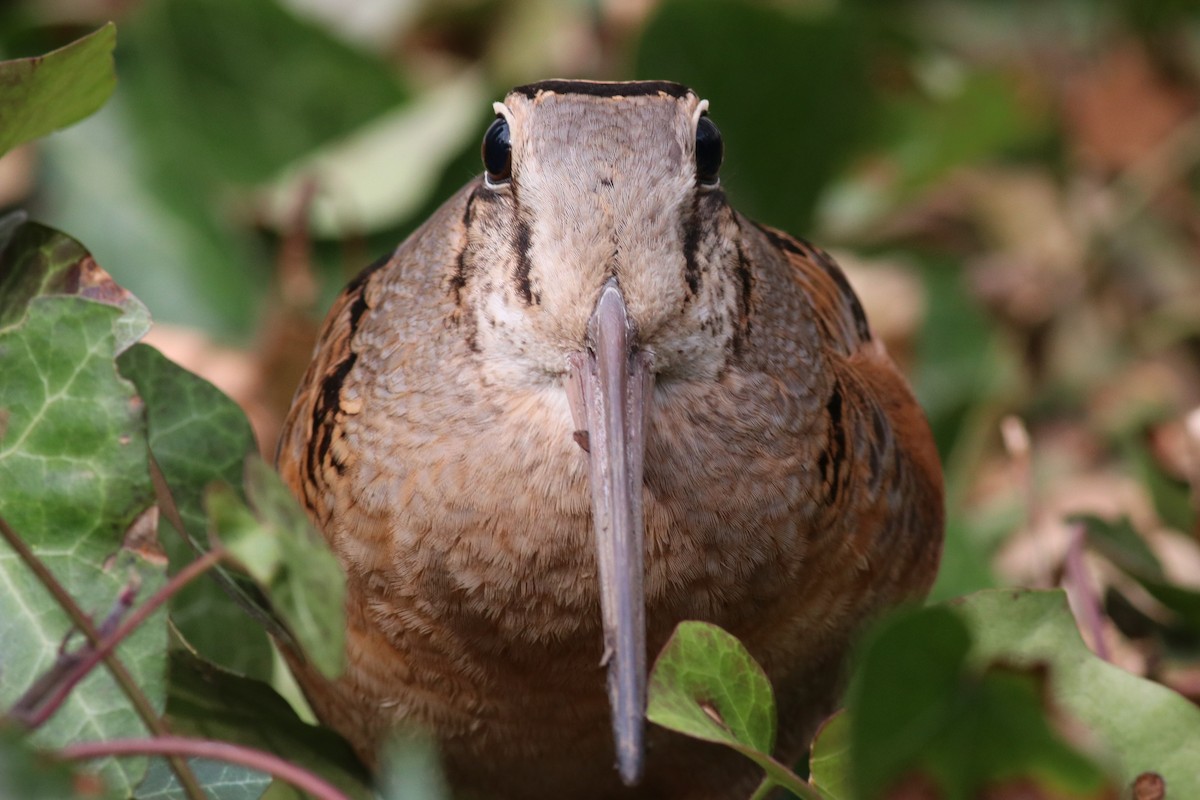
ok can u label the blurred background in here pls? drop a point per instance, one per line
(1012, 187)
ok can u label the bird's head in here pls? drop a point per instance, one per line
(588, 185)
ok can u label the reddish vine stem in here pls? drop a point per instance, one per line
(139, 615)
(228, 752)
(137, 698)
(27, 704)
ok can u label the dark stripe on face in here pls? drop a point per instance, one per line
(691, 243)
(745, 284)
(700, 219)
(745, 287)
(604, 88)
(521, 274)
(458, 280)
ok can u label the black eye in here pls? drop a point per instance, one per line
(497, 151)
(710, 151)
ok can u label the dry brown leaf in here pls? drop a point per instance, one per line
(1120, 106)
(1034, 266)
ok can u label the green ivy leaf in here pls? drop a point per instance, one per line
(980, 715)
(28, 774)
(38, 261)
(198, 437)
(706, 685)
(44, 93)
(922, 711)
(829, 760)
(904, 694)
(278, 547)
(206, 701)
(74, 484)
(220, 781)
(1144, 726)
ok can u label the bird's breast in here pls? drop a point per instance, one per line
(479, 513)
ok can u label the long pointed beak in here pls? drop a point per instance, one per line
(609, 390)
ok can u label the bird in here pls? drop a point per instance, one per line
(586, 400)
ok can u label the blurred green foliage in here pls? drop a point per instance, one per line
(957, 728)
(40, 95)
(789, 91)
(216, 98)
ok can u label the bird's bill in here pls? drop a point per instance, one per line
(609, 389)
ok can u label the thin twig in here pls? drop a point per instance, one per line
(68, 660)
(228, 752)
(94, 656)
(137, 698)
(1090, 612)
(124, 602)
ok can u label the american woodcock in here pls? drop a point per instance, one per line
(586, 400)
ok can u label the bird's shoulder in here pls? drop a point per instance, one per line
(306, 456)
(396, 309)
(875, 431)
(814, 275)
